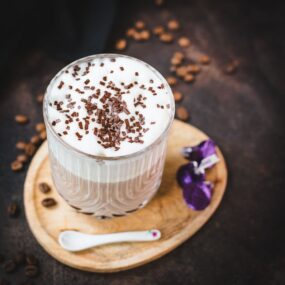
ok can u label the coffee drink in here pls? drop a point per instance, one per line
(107, 119)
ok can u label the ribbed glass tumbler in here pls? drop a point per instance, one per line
(106, 186)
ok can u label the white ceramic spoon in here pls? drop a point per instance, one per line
(76, 241)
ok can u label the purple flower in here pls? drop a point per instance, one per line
(200, 151)
(186, 174)
(191, 176)
(198, 195)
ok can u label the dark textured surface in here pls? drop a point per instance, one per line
(244, 241)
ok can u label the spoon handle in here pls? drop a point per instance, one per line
(76, 241)
(150, 235)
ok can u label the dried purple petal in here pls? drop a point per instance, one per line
(187, 175)
(198, 195)
(200, 151)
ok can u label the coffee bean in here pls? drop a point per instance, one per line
(40, 127)
(44, 187)
(9, 266)
(177, 96)
(22, 158)
(16, 165)
(20, 145)
(130, 32)
(171, 80)
(184, 42)
(21, 119)
(137, 36)
(175, 61)
(40, 98)
(181, 71)
(13, 210)
(48, 202)
(31, 270)
(31, 259)
(193, 68)
(4, 282)
(204, 59)
(182, 113)
(178, 54)
(121, 44)
(144, 35)
(189, 78)
(43, 135)
(30, 149)
(35, 139)
(173, 25)
(20, 258)
(140, 25)
(166, 37)
(158, 30)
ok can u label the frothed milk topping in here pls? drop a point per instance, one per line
(110, 105)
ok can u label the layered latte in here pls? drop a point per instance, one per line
(107, 120)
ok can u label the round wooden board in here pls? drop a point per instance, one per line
(166, 212)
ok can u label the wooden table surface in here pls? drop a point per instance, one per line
(244, 242)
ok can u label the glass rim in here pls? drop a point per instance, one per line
(100, 157)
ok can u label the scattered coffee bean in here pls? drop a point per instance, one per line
(173, 25)
(182, 113)
(48, 202)
(30, 149)
(13, 210)
(179, 54)
(20, 258)
(31, 270)
(176, 61)
(184, 42)
(35, 139)
(181, 71)
(193, 68)
(16, 165)
(158, 30)
(21, 119)
(204, 59)
(166, 37)
(40, 127)
(22, 158)
(137, 36)
(40, 98)
(177, 96)
(43, 135)
(171, 80)
(31, 259)
(21, 145)
(121, 44)
(9, 266)
(140, 25)
(44, 188)
(144, 35)
(130, 32)
(189, 78)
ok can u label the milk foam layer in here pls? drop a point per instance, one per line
(138, 81)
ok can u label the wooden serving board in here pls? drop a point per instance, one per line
(166, 212)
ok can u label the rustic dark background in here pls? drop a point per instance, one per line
(244, 241)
